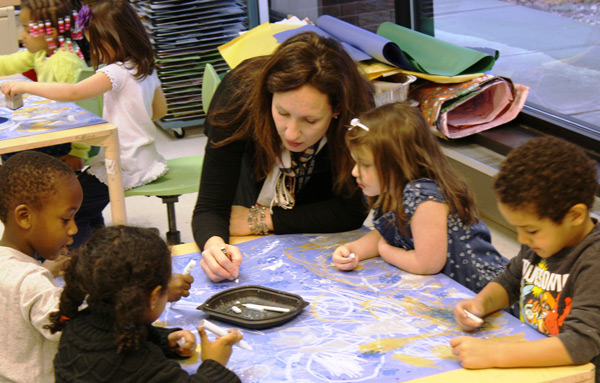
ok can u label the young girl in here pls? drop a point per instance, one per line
(122, 274)
(424, 214)
(52, 40)
(133, 98)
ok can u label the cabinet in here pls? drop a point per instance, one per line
(185, 35)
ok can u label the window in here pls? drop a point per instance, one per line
(552, 46)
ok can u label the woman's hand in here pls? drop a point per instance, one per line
(221, 261)
(464, 321)
(188, 347)
(344, 259)
(179, 286)
(220, 349)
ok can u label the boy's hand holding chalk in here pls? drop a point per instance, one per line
(473, 317)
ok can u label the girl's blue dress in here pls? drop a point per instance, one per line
(472, 260)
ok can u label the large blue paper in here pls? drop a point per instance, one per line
(374, 324)
(40, 115)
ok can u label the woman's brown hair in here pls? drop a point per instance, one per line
(115, 24)
(405, 149)
(306, 58)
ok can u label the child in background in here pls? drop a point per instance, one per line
(39, 196)
(49, 36)
(133, 98)
(122, 273)
(545, 188)
(424, 214)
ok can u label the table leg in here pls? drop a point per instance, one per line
(115, 182)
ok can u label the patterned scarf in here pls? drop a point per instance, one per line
(289, 176)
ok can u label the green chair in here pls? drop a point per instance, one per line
(93, 105)
(210, 82)
(183, 177)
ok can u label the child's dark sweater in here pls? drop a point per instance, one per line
(87, 354)
(560, 295)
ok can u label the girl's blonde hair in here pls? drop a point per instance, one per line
(405, 149)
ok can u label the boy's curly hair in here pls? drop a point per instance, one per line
(117, 269)
(549, 175)
(30, 178)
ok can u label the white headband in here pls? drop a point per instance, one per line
(356, 122)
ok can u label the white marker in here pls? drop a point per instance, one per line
(209, 326)
(186, 271)
(224, 251)
(256, 307)
(189, 267)
(474, 317)
(351, 256)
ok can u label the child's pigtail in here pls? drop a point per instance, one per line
(71, 298)
(130, 330)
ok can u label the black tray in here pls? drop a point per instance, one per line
(219, 306)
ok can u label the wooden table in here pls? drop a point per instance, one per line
(101, 134)
(359, 325)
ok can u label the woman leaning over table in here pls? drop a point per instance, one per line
(275, 160)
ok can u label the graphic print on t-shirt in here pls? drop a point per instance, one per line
(540, 297)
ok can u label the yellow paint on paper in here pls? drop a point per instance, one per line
(416, 361)
(443, 352)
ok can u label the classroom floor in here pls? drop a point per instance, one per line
(151, 212)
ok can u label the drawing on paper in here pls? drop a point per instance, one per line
(374, 324)
(42, 115)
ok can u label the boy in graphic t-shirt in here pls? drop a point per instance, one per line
(545, 188)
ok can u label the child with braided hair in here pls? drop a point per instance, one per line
(122, 273)
(52, 44)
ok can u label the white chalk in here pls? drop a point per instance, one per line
(236, 309)
(351, 256)
(209, 326)
(256, 307)
(189, 267)
(181, 342)
(224, 251)
(474, 317)
(186, 271)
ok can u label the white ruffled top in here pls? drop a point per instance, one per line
(128, 106)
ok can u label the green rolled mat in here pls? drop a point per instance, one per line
(430, 55)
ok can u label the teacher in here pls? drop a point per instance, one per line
(276, 160)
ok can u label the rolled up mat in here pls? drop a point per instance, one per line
(428, 54)
(378, 47)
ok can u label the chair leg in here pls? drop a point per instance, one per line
(173, 235)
